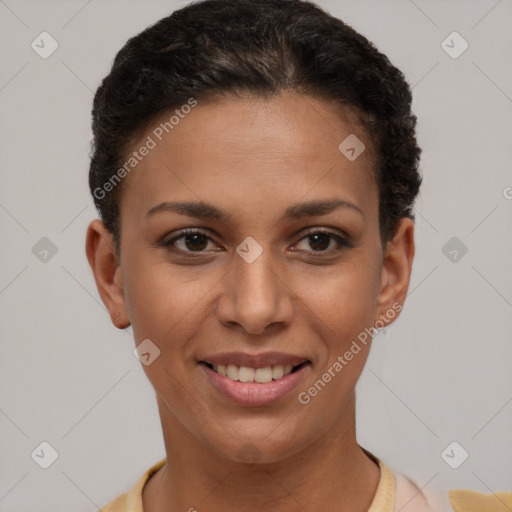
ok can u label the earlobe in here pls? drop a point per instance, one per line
(100, 251)
(396, 271)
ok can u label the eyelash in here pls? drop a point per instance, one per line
(339, 239)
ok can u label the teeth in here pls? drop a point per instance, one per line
(277, 372)
(263, 375)
(232, 371)
(246, 374)
(260, 375)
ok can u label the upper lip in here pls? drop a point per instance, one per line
(255, 360)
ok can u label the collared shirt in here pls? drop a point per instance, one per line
(395, 493)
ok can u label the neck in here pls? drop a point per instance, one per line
(331, 473)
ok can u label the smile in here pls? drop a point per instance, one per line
(250, 386)
(259, 375)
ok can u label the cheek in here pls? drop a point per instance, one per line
(164, 302)
(346, 306)
(345, 298)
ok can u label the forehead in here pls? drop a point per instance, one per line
(264, 150)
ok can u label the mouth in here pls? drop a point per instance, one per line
(255, 380)
(249, 374)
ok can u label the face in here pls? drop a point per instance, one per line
(250, 246)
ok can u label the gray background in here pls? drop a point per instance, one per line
(442, 373)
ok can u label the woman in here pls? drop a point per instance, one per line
(255, 168)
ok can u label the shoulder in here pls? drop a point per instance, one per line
(472, 501)
(410, 497)
(131, 501)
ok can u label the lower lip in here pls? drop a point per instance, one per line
(254, 393)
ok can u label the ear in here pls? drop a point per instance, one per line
(396, 272)
(101, 254)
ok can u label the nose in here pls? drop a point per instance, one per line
(255, 298)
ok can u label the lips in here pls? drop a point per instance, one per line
(258, 379)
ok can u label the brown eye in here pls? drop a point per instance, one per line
(195, 242)
(319, 241)
(189, 241)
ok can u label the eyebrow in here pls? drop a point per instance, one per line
(203, 210)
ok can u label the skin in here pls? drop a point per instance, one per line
(254, 158)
